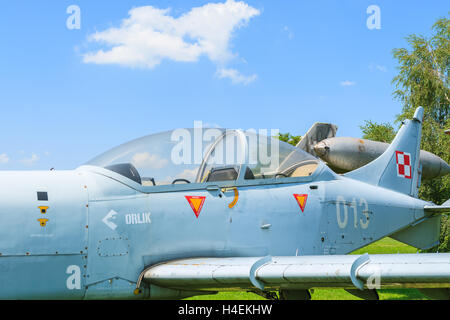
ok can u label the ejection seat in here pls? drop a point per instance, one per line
(228, 173)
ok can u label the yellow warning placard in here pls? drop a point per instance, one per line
(42, 222)
(301, 200)
(196, 203)
(43, 209)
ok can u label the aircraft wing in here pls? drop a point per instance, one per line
(444, 208)
(304, 272)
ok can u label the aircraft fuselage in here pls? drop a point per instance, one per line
(83, 235)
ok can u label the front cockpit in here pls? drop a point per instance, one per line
(206, 155)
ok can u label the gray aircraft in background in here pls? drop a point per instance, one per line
(344, 154)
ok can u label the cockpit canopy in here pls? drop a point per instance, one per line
(205, 155)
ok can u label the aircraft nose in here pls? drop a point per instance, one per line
(321, 149)
(445, 169)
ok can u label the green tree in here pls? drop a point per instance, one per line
(423, 80)
(287, 137)
(383, 132)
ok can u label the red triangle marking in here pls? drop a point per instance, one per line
(301, 200)
(196, 203)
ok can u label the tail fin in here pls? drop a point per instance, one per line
(318, 132)
(398, 167)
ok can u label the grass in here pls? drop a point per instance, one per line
(386, 245)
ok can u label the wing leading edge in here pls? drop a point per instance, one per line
(304, 272)
(444, 208)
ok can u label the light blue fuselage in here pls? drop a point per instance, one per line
(102, 230)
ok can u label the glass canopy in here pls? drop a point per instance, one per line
(205, 155)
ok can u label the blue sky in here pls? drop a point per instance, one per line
(282, 65)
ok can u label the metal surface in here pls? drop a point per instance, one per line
(318, 132)
(389, 271)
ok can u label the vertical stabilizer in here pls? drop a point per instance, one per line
(318, 132)
(398, 167)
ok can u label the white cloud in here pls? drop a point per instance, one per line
(30, 161)
(151, 35)
(4, 158)
(188, 174)
(373, 67)
(147, 160)
(235, 76)
(348, 83)
(289, 32)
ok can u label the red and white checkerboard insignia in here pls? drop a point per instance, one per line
(403, 164)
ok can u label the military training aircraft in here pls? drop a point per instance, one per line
(194, 211)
